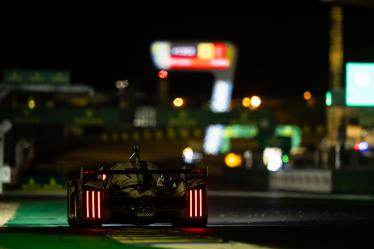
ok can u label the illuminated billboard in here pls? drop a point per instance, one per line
(360, 84)
(216, 57)
(192, 55)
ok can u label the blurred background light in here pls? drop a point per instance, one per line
(361, 146)
(255, 101)
(292, 131)
(163, 74)
(221, 96)
(178, 102)
(272, 158)
(285, 159)
(213, 139)
(188, 155)
(233, 160)
(31, 104)
(246, 102)
(307, 95)
(121, 84)
(328, 98)
(359, 84)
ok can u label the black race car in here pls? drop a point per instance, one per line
(136, 192)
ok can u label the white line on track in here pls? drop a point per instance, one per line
(7, 211)
(174, 239)
(228, 245)
(250, 194)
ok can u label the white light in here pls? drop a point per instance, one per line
(180, 62)
(188, 155)
(255, 101)
(363, 146)
(161, 54)
(178, 102)
(221, 96)
(272, 158)
(184, 51)
(220, 62)
(120, 84)
(362, 79)
(248, 157)
(213, 138)
(145, 116)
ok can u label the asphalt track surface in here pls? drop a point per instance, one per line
(236, 220)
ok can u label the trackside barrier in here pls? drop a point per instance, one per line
(345, 181)
(353, 181)
(302, 180)
(320, 181)
(40, 183)
(239, 179)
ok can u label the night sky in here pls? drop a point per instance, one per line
(283, 51)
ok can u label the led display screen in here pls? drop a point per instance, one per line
(360, 84)
(192, 56)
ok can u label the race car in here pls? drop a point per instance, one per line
(137, 192)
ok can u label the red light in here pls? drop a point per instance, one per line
(190, 203)
(196, 205)
(201, 203)
(195, 202)
(88, 172)
(93, 204)
(194, 230)
(163, 74)
(87, 205)
(198, 170)
(357, 146)
(98, 205)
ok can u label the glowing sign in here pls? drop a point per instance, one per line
(183, 51)
(214, 57)
(221, 96)
(212, 140)
(360, 84)
(192, 56)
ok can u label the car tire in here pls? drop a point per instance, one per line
(71, 206)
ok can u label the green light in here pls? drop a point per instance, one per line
(290, 131)
(285, 158)
(225, 145)
(328, 99)
(240, 131)
(236, 131)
